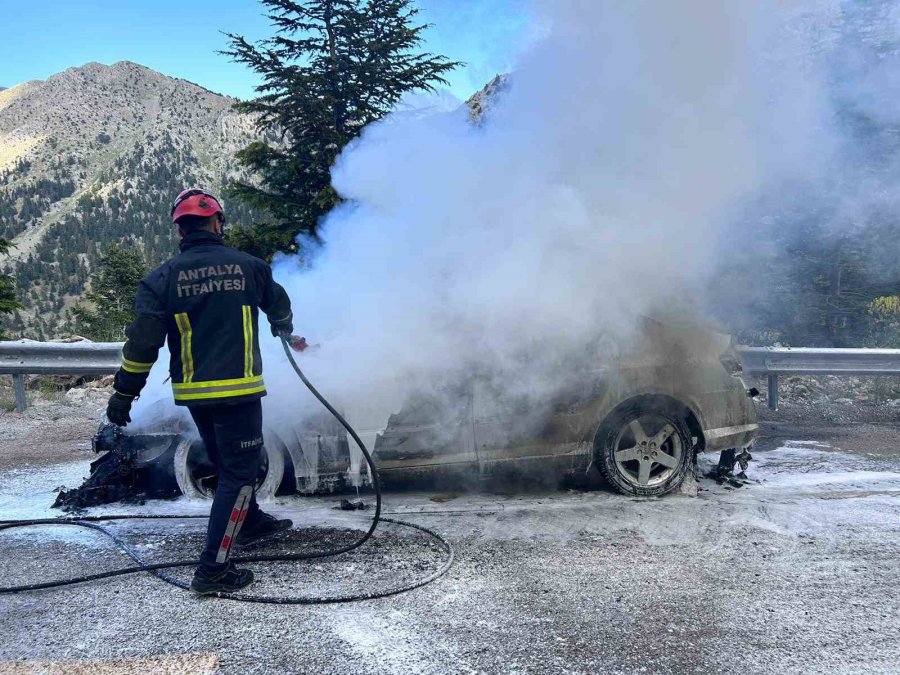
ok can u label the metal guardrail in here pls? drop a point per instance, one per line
(24, 357)
(775, 361)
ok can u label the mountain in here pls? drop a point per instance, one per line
(95, 155)
(482, 102)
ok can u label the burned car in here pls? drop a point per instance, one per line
(639, 421)
(637, 416)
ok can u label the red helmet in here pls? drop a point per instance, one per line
(194, 202)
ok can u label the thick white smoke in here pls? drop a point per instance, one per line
(597, 189)
(593, 192)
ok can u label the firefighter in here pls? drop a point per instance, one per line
(205, 302)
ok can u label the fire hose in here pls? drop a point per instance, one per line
(90, 522)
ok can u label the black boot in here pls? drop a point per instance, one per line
(230, 578)
(263, 526)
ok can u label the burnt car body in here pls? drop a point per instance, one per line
(636, 414)
(639, 420)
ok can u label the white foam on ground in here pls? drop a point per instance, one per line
(816, 444)
(797, 489)
(28, 493)
(801, 491)
(390, 641)
(803, 469)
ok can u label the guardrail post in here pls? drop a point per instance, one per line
(773, 391)
(19, 389)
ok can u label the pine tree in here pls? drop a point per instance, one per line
(113, 287)
(8, 302)
(332, 67)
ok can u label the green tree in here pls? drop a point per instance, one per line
(8, 302)
(332, 67)
(113, 287)
(884, 322)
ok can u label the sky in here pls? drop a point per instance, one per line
(180, 38)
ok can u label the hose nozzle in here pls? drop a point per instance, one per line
(298, 344)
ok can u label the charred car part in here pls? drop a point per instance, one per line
(724, 474)
(311, 458)
(130, 468)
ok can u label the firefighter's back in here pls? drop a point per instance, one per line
(212, 297)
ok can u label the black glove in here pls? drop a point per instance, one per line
(283, 327)
(118, 408)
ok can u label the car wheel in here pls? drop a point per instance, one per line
(643, 450)
(196, 477)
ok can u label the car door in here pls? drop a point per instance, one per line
(432, 428)
(510, 426)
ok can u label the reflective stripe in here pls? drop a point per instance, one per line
(186, 386)
(238, 515)
(248, 340)
(204, 394)
(218, 388)
(135, 366)
(187, 358)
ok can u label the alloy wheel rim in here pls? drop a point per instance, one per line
(648, 450)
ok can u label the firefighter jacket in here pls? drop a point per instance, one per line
(205, 302)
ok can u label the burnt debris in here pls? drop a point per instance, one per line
(130, 469)
(347, 505)
(729, 460)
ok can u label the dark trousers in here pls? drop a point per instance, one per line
(232, 435)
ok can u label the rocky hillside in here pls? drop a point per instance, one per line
(482, 102)
(94, 155)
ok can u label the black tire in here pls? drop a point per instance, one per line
(650, 470)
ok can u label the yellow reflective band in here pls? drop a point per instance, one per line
(242, 386)
(218, 394)
(185, 386)
(187, 358)
(135, 366)
(248, 340)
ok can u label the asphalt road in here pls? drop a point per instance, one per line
(796, 573)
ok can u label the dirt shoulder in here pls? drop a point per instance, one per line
(51, 431)
(871, 439)
(857, 415)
